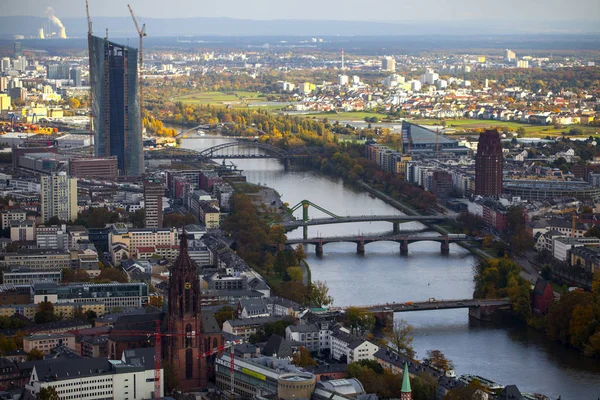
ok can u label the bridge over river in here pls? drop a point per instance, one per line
(481, 309)
(403, 239)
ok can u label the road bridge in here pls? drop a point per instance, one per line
(481, 309)
(237, 149)
(403, 239)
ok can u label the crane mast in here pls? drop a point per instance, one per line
(141, 32)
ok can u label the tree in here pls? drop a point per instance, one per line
(302, 358)
(437, 359)
(110, 274)
(74, 103)
(318, 294)
(35, 354)
(360, 319)
(91, 316)
(300, 253)
(223, 314)
(295, 274)
(45, 313)
(521, 131)
(48, 393)
(155, 301)
(75, 275)
(401, 337)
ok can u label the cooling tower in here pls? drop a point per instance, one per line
(41, 34)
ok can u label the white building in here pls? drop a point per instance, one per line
(131, 377)
(429, 77)
(59, 197)
(344, 344)
(343, 80)
(307, 334)
(562, 245)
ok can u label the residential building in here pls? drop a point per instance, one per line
(59, 197)
(52, 237)
(210, 215)
(12, 215)
(116, 102)
(348, 347)
(244, 328)
(22, 231)
(388, 64)
(153, 194)
(307, 334)
(94, 346)
(47, 342)
(488, 164)
(131, 377)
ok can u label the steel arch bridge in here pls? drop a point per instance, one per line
(244, 149)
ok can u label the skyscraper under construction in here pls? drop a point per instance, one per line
(116, 105)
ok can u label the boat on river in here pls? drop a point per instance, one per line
(486, 383)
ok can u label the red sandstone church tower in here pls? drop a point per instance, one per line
(183, 350)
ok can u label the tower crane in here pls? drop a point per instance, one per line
(158, 335)
(141, 32)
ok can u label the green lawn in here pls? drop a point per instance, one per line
(542, 131)
(238, 98)
(354, 116)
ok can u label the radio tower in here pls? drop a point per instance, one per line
(342, 61)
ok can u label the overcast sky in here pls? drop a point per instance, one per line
(364, 10)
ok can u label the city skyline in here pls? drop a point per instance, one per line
(352, 10)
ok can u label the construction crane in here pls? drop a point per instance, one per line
(142, 33)
(89, 22)
(158, 335)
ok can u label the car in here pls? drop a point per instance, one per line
(387, 308)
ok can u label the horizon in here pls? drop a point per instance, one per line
(349, 10)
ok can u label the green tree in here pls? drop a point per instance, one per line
(295, 274)
(360, 319)
(110, 274)
(300, 253)
(45, 313)
(401, 337)
(223, 314)
(319, 294)
(35, 354)
(48, 393)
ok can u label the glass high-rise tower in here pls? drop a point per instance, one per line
(116, 105)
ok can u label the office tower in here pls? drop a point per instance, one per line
(58, 71)
(488, 164)
(5, 66)
(116, 105)
(509, 55)
(154, 191)
(18, 49)
(75, 76)
(59, 197)
(388, 64)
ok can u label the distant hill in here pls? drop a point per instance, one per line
(123, 27)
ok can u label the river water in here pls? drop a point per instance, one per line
(502, 350)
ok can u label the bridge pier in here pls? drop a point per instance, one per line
(305, 232)
(445, 247)
(482, 313)
(396, 227)
(319, 248)
(360, 247)
(404, 248)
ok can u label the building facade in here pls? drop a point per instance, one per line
(153, 196)
(488, 164)
(59, 197)
(116, 105)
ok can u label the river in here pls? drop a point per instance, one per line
(501, 350)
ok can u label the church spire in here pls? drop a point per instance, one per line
(406, 393)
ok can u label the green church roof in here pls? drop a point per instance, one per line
(406, 380)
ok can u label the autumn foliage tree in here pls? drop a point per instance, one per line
(302, 358)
